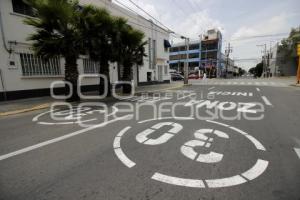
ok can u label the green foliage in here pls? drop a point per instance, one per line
(288, 45)
(56, 24)
(259, 69)
(64, 28)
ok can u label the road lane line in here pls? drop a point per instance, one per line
(58, 139)
(226, 182)
(258, 90)
(211, 88)
(218, 123)
(178, 181)
(297, 150)
(267, 102)
(257, 170)
(257, 144)
(125, 160)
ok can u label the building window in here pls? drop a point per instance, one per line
(154, 54)
(166, 69)
(22, 8)
(194, 46)
(194, 55)
(150, 52)
(91, 67)
(37, 66)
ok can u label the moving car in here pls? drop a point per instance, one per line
(176, 77)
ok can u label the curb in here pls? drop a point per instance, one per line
(47, 105)
(170, 88)
(295, 85)
(39, 107)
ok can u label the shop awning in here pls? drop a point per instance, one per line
(167, 44)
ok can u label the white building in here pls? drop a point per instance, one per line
(23, 75)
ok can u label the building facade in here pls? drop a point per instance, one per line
(204, 54)
(277, 64)
(24, 75)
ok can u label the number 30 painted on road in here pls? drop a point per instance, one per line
(201, 140)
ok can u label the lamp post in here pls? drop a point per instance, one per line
(186, 63)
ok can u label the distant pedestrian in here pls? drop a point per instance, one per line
(204, 77)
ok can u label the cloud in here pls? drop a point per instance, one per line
(273, 25)
(196, 23)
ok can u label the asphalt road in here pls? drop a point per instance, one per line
(238, 142)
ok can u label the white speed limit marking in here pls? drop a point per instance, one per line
(188, 149)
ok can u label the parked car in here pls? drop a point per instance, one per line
(176, 77)
(193, 76)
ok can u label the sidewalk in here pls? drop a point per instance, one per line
(27, 105)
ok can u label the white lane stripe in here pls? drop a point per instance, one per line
(225, 182)
(178, 181)
(238, 130)
(117, 142)
(123, 131)
(58, 139)
(217, 123)
(257, 144)
(267, 102)
(211, 88)
(258, 90)
(259, 168)
(297, 150)
(125, 160)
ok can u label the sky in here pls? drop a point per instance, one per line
(236, 19)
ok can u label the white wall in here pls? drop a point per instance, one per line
(16, 30)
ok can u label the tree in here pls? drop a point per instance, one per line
(259, 69)
(288, 45)
(96, 25)
(131, 49)
(252, 70)
(57, 34)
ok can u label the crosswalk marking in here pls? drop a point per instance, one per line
(239, 82)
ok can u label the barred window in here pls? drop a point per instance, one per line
(19, 6)
(37, 66)
(91, 67)
(166, 69)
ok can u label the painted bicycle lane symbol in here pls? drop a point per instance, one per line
(202, 138)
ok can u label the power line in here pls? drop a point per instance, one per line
(170, 31)
(259, 36)
(149, 15)
(141, 25)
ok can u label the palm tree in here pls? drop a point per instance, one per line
(129, 48)
(57, 34)
(97, 26)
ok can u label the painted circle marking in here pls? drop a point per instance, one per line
(255, 171)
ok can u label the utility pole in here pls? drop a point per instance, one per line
(264, 60)
(186, 63)
(298, 71)
(227, 53)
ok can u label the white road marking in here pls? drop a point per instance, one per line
(178, 181)
(123, 158)
(238, 130)
(225, 182)
(257, 170)
(258, 90)
(211, 88)
(297, 150)
(58, 139)
(257, 144)
(119, 152)
(217, 123)
(267, 102)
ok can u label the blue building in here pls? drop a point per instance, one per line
(204, 54)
